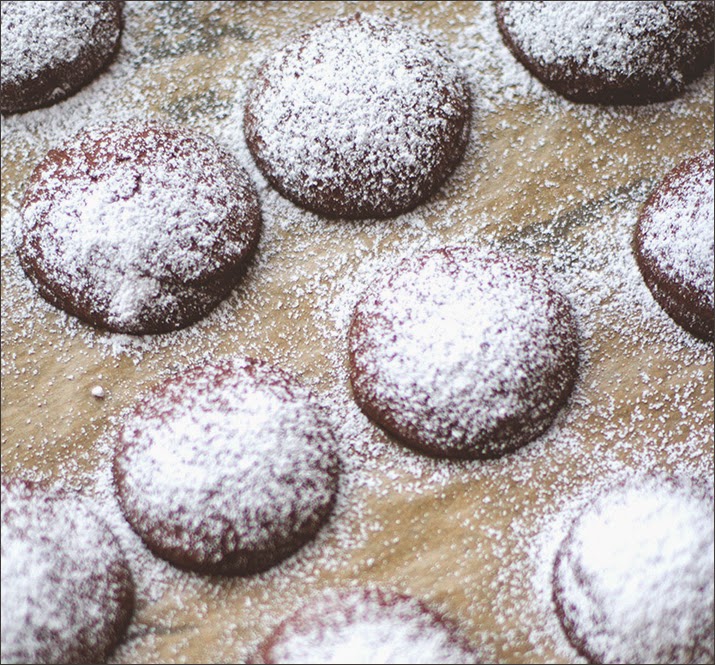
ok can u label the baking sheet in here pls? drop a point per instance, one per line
(557, 183)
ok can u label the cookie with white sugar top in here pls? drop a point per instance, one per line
(633, 579)
(365, 625)
(52, 49)
(227, 467)
(674, 245)
(463, 353)
(359, 117)
(611, 52)
(67, 592)
(138, 227)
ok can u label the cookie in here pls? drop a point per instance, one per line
(67, 593)
(52, 49)
(359, 117)
(138, 227)
(365, 626)
(674, 245)
(633, 579)
(226, 468)
(462, 353)
(611, 52)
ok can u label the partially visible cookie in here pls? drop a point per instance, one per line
(674, 245)
(365, 626)
(227, 467)
(138, 227)
(359, 117)
(67, 593)
(463, 353)
(611, 52)
(52, 49)
(633, 580)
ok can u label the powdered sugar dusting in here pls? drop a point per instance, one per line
(364, 626)
(227, 458)
(602, 37)
(66, 588)
(38, 35)
(123, 210)
(551, 182)
(635, 576)
(677, 227)
(460, 344)
(366, 111)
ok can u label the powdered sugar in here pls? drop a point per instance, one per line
(225, 460)
(603, 37)
(634, 578)
(677, 227)
(66, 588)
(50, 50)
(549, 181)
(459, 345)
(38, 35)
(358, 118)
(367, 626)
(125, 215)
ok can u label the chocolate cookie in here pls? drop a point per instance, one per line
(226, 468)
(462, 353)
(365, 626)
(674, 245)
(633, 579)
(67, 593)
(359, 117)
(52, 49)
(611, 52)
(138, 227)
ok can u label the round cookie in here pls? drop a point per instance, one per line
(674, 245)
(365, 626)
(611, 52)
(462, 353)
(138, 227)
(633, 579)
(52, 49)
(67, 593)
(226, 468)
(359, 117)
